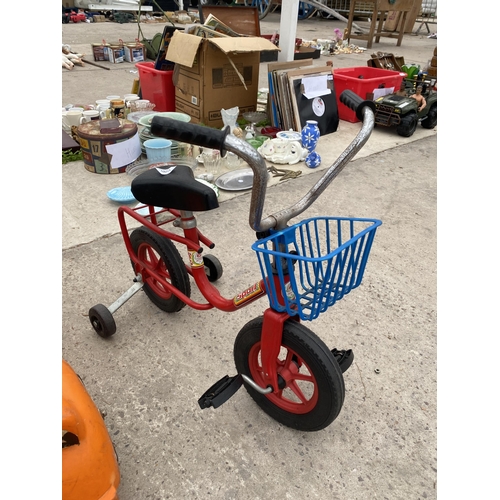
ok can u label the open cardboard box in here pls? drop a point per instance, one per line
(243, 20)
(215, 73)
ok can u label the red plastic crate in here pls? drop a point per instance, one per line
(157, 86)
(363, 80)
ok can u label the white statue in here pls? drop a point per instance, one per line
(283, 151)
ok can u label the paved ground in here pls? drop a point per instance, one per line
(149, 375)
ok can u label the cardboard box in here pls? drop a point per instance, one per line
(100, 52)
(135, 52)
(215, 73)
(116, 53)
(244, 21)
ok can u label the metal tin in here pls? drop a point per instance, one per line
(93, 144)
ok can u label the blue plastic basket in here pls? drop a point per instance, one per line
(323, 257)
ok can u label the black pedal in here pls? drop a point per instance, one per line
(344, 358)
(220, 392)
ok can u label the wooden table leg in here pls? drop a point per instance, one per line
(372, 25)
(349, 21)
(402, 28)
(380, 24)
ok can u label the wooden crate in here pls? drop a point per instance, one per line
(386, 61)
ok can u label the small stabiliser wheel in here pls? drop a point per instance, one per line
(102, 321)
(213, 267)
(160, 255)
(408, 125)
(311, 384)
(432, 117)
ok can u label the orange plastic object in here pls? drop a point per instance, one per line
(89, 465)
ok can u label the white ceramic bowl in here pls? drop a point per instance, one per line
(289, 135)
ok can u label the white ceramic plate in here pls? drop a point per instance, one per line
(136, 116)
(182, 117)
(121, 194)
(145, 121)
(236, 180)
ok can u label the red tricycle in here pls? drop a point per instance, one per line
(306, 267)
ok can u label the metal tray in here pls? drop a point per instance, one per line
(236, 180)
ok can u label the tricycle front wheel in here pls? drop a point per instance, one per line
(311, 386)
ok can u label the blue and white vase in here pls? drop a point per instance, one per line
(310, 136)
(313, 159)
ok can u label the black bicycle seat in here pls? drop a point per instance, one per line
(176, 189)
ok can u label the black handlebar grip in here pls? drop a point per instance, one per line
(354, 102)
(191, 133)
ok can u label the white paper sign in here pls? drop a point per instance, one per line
(315, 86)
(382, 92)
(125, 152)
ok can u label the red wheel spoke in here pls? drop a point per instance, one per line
(155, 264)
(297, 391)
(288, 360)
(293, 397)
(303, 376)
(151, 257)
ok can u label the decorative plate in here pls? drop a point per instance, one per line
(121, 194)
(236, 180)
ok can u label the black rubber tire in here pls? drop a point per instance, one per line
(161, 255)
(408, 125)
(432, 118)
(102, 321)
(306, 351)
(213, 267)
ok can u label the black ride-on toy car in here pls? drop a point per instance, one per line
(401, 111)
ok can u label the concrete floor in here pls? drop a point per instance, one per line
(150, 374)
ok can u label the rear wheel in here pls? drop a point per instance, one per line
(408, 125)
(310, 380)
(160, 255)
(432, 117)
